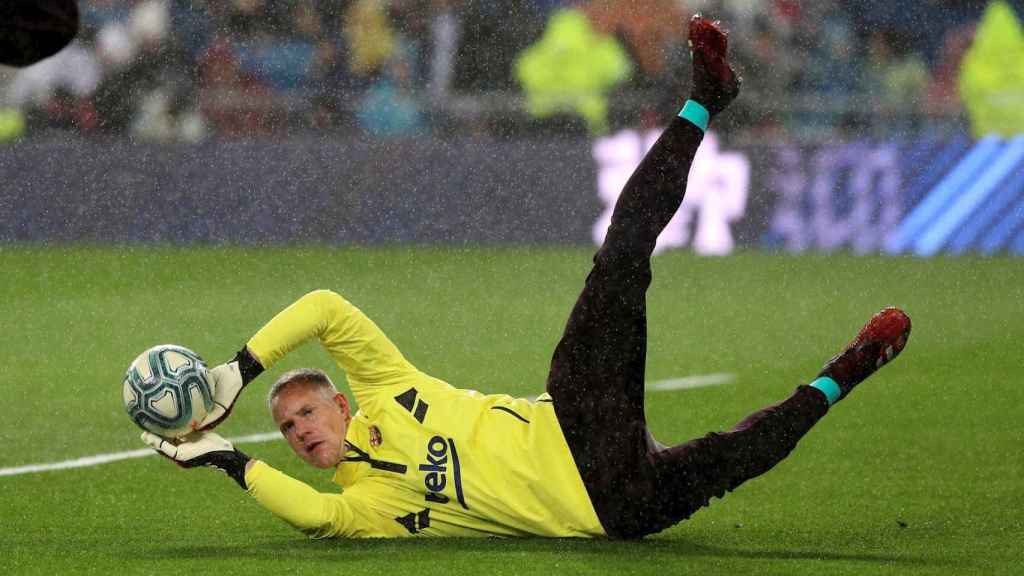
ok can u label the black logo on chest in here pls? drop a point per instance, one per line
(418, 408)
(442, 460)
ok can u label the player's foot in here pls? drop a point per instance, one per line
(715, 83)
(879, 341)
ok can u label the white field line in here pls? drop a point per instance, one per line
(699, 381)
(685, 383)
(98, 459)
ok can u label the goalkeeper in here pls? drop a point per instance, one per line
(421, 457)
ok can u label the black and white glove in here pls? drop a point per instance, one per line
(201, 449)
(228, 381)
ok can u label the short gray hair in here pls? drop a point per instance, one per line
(309, 376)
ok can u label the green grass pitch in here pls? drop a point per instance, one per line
(919, 472)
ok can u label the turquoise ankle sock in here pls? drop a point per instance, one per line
(829, 388)
(696, 114)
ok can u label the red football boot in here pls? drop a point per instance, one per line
(715, 83)
(879, 341)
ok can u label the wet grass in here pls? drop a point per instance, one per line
(918, 473)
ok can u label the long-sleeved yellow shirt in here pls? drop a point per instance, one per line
(424, 458)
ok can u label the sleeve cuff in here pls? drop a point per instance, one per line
(252, 476)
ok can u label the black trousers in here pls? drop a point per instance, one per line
(597, 374)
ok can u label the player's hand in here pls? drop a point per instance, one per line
(201, 449)
(228, 381)
(189, 451)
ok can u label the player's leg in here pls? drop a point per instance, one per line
(597, 370)
(685, 477)
(31, 30)
(604, 341)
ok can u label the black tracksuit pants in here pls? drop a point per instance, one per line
(597, 374)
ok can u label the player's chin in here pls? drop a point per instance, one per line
(322, 457)
(323, 464)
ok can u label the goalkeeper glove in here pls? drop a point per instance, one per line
(202, 449)
(228, 381)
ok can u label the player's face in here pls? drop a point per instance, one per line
(313, 424)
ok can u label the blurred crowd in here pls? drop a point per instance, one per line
(192, 69)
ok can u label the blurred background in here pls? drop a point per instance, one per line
(852, 114)
(187, 70)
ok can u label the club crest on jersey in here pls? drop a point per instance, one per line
(376, 438)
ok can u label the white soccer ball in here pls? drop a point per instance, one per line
(167, 390)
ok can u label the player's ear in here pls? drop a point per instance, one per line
(342, 403)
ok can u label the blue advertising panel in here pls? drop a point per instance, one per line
(924, 197)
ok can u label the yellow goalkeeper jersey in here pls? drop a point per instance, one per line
(424, 458)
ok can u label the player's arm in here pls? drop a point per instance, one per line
(314, 513)
(360, 348)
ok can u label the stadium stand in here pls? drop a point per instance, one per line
(188, 70)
